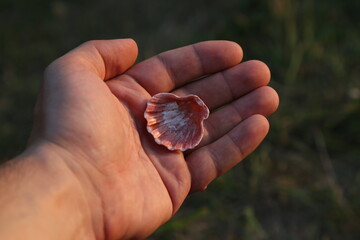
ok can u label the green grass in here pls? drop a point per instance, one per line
(304, 180)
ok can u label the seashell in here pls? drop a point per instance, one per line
(176, 122)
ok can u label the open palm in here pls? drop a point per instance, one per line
(91, 110)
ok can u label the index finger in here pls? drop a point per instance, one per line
(174, 68)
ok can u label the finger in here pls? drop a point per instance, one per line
(105, 58)
(263, 101)
(171, 69)
(211, 161)
(228, 85)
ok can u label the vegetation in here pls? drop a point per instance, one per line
(304, 180)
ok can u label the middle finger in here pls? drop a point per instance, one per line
(223, 87)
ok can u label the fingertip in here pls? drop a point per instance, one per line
(263, 123)
(263, 128)
(108, 57)
(118, 54)
(259, 124)
(275, 99)
(250, 133)
(217, 55)
(235, 49)
(258, 71)
(131, 41)
(267, 99)
(132, 44)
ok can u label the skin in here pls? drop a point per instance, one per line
(92, 171)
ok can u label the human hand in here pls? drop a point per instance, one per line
(91, 114)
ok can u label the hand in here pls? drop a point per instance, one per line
(90, 115)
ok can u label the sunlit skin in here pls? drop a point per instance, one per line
(92, 171)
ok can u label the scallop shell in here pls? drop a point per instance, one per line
(176, 122)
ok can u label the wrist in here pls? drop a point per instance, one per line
(43, 198)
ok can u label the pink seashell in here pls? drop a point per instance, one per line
(176, 122)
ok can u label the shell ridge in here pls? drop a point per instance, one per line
(176, 122)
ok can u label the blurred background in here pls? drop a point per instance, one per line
(304, 180)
